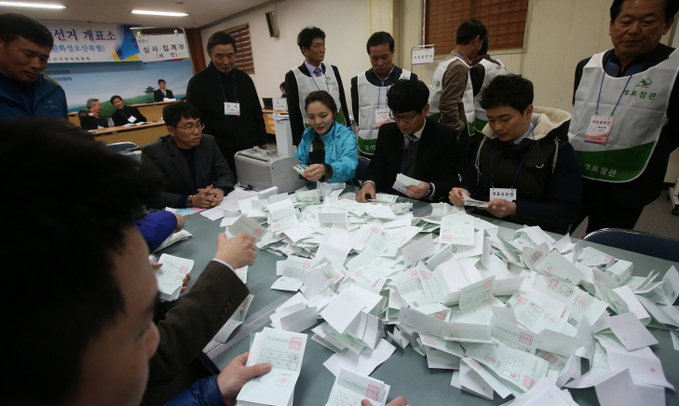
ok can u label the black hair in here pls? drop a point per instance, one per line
(307, 36)
(379, 38)
(220, 38)
(173, 113)
(408, 95)
(282, 85)
(14, 25)
(60, 275)
(469, 30)
(671, 8)
(323, 97)
(116, 97)
(510, 90)
(484, 47)
(163, 80)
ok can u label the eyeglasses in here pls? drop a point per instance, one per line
(191, 128)
(405, 119)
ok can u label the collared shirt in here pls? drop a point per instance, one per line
(311, 68)
(531, 127)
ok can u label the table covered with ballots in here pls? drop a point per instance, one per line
(400, 297)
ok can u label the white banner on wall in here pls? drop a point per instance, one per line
(75, 43)
(162, 47)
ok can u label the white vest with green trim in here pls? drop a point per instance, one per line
(370, 97)
(436, 85)
(328, 82)
(492, 70)
(637, 121)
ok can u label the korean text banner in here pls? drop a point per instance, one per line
(92, 43)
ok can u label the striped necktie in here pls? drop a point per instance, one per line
(318, 72)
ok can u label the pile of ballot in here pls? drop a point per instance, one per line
(512, 312)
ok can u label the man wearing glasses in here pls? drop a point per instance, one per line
(414, 146)
(196, 174)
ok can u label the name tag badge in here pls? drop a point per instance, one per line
(503, 194)
(381, 116)
(231, 109)
(132, 119)
(599, 130)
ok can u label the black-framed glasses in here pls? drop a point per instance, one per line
(401, 117)
(192, 128)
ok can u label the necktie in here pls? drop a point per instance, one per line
(318, 72)
(164, 94)
(409, 139)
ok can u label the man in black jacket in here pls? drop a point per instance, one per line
(227, 100)
(414, 146)
(162, 93)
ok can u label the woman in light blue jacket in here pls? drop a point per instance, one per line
(328, 150)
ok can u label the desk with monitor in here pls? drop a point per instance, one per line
(406, 371)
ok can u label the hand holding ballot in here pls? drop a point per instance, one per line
(457, 196)
(501, 208)
(367, 191)
(235, 374)
(419, 191)
(314, 172)
(238, 251)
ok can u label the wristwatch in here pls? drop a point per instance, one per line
(189, 201)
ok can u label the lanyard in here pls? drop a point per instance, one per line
(596, 113)
(492, 157)
(384, 82)
(219, 79)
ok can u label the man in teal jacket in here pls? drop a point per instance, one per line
(25, 91)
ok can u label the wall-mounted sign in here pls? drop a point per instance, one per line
(75, 43)
(162, 47)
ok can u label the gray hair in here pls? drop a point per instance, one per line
(91, 103)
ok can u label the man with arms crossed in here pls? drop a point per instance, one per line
(25, 91)
(369, 90)
(626, 113)
(414, 145)
(195, 173)
(310, 76)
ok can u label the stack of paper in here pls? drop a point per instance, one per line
(171, 274)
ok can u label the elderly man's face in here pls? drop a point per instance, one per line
(115, 365)
(638, 28)
(23, 60)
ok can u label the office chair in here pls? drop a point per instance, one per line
(635, 241)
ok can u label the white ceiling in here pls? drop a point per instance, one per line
(201, 12)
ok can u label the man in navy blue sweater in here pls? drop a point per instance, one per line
(524, 168)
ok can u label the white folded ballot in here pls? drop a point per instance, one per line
(403, 181)
(171, 275)
(468, 201)
(351, 388)
(285, 351)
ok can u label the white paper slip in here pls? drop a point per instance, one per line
(234, 321)
(171, 275)
(246, 226)
(384, 198)
(472, 382)
(174, 238)
(631, 333)
(351, 388)
(458, 230)
(418, 250)
(332, 218)
(381, 212)
(285, 351)
(281, 209)
(470, 202)
(671, 285)
(213, 214)
(489, 378)
(299, 169)
(476, 293)
(299, 320)
(544, 393)
(229, 218)
(403, 181)
(363, 363)
(555, 264)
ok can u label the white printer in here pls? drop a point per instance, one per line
(262, 169)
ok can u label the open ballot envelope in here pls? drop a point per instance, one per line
(171, 275)
(285, 351)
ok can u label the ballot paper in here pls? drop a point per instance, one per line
(213, 214)
(351, 388)
(487, 377)
(171, 274)
(517, 368)
(285, 351)
(544, 393)
(403, 181)
(174, 238)
(456, 229)
(469, 202)
(363, 363)
(245, 225)
(631, 333)
(471, 381)
(234, 321)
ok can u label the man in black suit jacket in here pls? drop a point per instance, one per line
(196, 174)
(162, 93)
(415, 146)
(310, 76)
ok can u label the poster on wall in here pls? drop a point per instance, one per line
(82, 43)
(162, 47)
